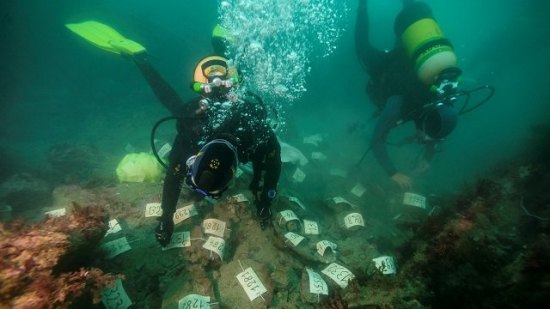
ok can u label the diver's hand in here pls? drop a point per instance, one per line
(263, 212)
(163, 232)
(404, 181)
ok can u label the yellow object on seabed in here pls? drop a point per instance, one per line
(139, 167)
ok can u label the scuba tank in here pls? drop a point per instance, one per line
(424, 42)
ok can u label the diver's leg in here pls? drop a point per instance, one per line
(369, 56)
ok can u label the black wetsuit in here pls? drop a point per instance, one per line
(244, 124)
(393, 86)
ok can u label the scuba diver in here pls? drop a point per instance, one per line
(416, 81)
(216, 131)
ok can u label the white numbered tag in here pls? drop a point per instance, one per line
(115, 297)
(164, 150)
(413, 199)
(213, 227)
(358, 190)
(216, 245)
(294, 238)
(194, 301)
(298, 175)
(338, 172)
(251, 283)
(240, 198)
(288, 215)
(316, 284)
(297, 201)
(341, 275)
(185, 213)
(311, 227)
(57, 212)
(385, 264)
(354, 219)
(116, 247)
(153, 210)
(179, 240)
(323, 245)
(114, 227)
(318, 156)
(341, 200)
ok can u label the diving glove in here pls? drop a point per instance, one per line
(163, 232)
(263, 211)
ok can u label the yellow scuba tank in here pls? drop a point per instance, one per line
(424, 42)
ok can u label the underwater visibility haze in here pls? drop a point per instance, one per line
(354, 221)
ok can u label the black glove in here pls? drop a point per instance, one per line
(263, 211)
(163, 232)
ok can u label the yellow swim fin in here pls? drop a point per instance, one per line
(105, 37)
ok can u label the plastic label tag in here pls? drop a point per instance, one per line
(294, 238)
(164, 150)
(251, 283)
(385, 264)
(114, 227)
(213, 227)
(318, 156)
(323, 245)
(153, 210)
(297, 201)
(316, 284)
(413, 199)
(298, 175)
(115, 297)
(216, 245)
(60, 212)
(184, 213)
(116, 247)
(339, 274)
(358, 190)
(194, 301)
(354, 219)
(313, 139)
(179, 240)
(311, 227)
(341, 200)
(240, 198)
(338, 172)
(288, 215)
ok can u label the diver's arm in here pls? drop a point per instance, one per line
(175, 175)
(272, 166)
(266, 159)
(163, 91)
(388, 119)
(173, 182)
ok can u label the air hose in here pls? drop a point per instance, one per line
(468, 94)
(153, 133)
(463, 110)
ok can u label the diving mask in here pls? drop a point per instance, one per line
(217, 82)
